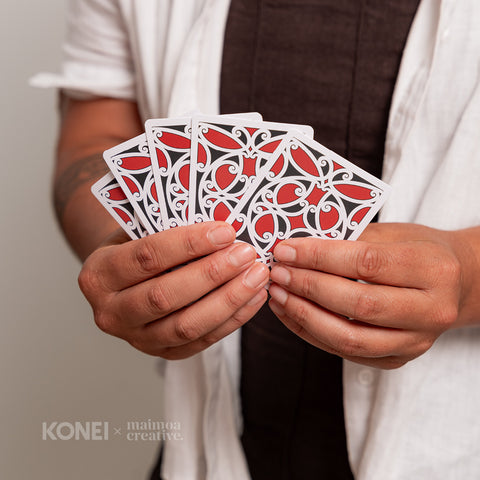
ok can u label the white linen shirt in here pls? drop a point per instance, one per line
(417, 422)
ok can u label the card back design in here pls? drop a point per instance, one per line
(169, 142)
(227, 156)
(131, 165)
(109, 193)
(308, 190)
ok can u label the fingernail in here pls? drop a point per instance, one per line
(241, 254)
(280, 275)
(259, 297)
(278, 294)
(284, 253)
(256, 276)
(221, 235)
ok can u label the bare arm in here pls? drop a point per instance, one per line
(88, 128)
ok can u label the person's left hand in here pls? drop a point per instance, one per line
(421, 282)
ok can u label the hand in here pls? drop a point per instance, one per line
(421, 282)
(174, 314)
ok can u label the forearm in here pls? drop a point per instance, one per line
(88, 128)
(83, 220)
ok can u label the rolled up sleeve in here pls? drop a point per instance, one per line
(97, 57)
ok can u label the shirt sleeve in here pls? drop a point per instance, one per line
(97, 58)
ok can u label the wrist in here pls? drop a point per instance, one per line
(465, 245)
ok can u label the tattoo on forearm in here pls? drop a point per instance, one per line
(84, 170)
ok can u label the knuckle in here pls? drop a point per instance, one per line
(366, 307)
(233, 300)
(295, 318)
(301, 317)
(445, 317)
(191, 244)
(213, 272)
(158, 300)
(237, 320)
(146, 257)
(449, 271)
(318, 254)
(308, 285)
(369, 263)
(350, 343)
(186, 331)
(422, 346)
(88, 281)
(105, 321)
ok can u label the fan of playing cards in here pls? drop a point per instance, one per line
(271, 181)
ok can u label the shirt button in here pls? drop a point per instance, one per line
(365, 377)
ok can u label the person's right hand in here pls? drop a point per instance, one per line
(175, 313)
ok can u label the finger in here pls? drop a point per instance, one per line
(404, 264)
(348, 337)
(125, 265)
(237, 320)
(160, 296)
(385, 306)
(387, 362)
(205, 316)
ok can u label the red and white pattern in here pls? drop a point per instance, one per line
(131, 165)
(271, 181)
(169, 143)
(113, 198)
(227, 156)
(307, 190)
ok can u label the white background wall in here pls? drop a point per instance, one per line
(54, 363)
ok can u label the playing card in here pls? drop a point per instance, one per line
(169, 141)
(169, 144)
(226, 157)
(307, 190)
(109, 193)
(131, 165)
